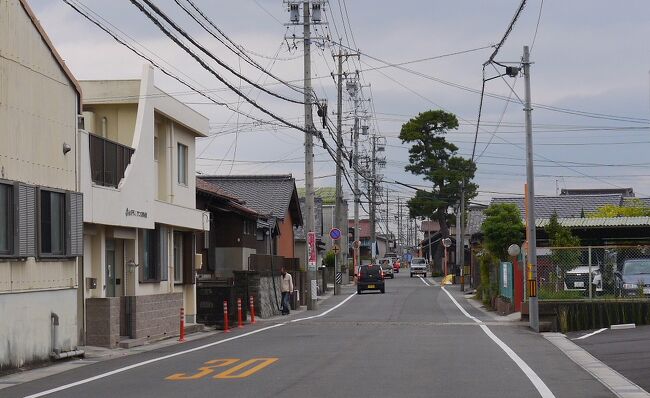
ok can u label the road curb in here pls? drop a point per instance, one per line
(620, 385)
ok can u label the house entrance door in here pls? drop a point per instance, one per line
(110, 268)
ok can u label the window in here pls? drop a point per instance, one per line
(155, 148)
(154, 260)
(178, 257)
(182, 164)
(149, 271)
(6, 219)
(52, 223)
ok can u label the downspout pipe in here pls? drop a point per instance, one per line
(56, 352)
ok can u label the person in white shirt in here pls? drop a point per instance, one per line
(286, 288)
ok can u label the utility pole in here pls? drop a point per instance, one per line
(387, 233)
(309, 152)
(461, 256)
(530, 183)
(294, 10)
(338, 207)
(373, 189)
(398, 244)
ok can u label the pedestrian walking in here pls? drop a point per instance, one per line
(286, 287)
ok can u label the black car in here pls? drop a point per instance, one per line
(370, 277)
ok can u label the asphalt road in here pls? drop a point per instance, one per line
(412, 341)
(626, 351)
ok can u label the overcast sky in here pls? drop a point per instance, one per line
(589, 56)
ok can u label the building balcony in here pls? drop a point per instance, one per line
(108, 160)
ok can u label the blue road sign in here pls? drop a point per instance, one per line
(335, 233)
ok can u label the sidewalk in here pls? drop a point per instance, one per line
(99, 354)
(609, 358)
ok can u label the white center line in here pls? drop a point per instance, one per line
(423, 280)
(143, 363)
(541, 387)
(590, 334)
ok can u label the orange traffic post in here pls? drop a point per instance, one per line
(182, 326)
(240, 324)
(252, 305)
(225, 317)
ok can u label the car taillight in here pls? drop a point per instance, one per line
(382, 274)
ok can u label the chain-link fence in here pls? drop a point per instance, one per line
(595, 272)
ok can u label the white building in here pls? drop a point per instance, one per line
(137, 176)
(40, 208)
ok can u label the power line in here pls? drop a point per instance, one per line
(215, 74)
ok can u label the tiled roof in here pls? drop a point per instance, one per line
(566, 206)
(598, 222)
(270, 195)
(205, 186)
(628, 201)
(233, 202)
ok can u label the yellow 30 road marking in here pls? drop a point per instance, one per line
(204, 370)
(228, 374)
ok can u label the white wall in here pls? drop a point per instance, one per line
(38, 115)
(139, 189)
(25, 335)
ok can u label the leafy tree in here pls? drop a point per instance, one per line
(435, 159)
(633, 208)
(561, 239)
(502, 227)
(330, 259)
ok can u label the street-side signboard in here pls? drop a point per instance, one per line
(311, 251)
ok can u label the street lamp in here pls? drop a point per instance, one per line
(514, 250)
(446, 243)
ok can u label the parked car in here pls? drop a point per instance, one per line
(419, 266)
(634, 277)
(577, 279)
(370, 277)
(387, 267)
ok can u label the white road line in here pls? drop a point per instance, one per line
(541, 387)
(150, 361)
(590, 334)
(425, 282)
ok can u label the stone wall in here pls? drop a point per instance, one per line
(103, 321)
(154, 316)
(269, 296)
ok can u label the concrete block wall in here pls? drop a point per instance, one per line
(103, 321)
(155, 316)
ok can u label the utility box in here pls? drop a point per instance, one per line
(92, 283)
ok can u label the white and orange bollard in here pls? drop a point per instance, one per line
(225, 317)
(182, 326)
(240, 323)
(251, 303)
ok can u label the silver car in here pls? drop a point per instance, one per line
(387, 267)
(419, 266)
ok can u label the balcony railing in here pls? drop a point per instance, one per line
(108, 160)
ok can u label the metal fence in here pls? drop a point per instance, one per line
(594, 272)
